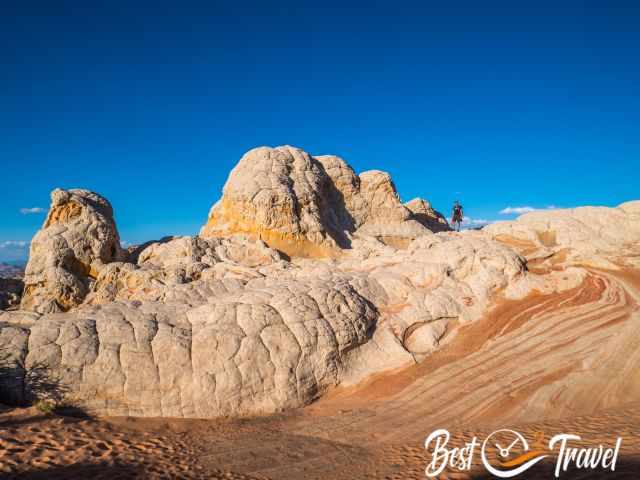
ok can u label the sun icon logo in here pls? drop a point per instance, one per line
(510, 452)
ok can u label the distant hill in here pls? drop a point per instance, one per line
(8, 270)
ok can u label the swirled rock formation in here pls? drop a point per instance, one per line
(256, 339)
(306, 277)
(595, 236)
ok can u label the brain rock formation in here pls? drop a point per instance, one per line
(307, 206)
(305, 277)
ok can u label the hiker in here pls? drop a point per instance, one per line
(456, 216)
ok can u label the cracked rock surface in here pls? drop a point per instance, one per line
(78, 237)
(306, 277)
(308, 206)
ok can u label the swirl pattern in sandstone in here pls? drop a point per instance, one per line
(308, 277)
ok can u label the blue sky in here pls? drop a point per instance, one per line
(497, 104)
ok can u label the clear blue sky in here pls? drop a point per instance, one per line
(496, 104)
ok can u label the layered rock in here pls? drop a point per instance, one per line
(224, 324)
(202, 327)
(276, 195)
(308, 206)
(595, 236)
(78, 237)
(276, 337)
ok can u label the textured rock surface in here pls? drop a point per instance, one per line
(249, 352)
(308, 206)
(162, 268)
(276, 195)
(78, 237)
(424, 213)
(597, 236)
(262, 338)
(223, 324)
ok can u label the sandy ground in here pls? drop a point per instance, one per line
(37, 447)
(563, 363)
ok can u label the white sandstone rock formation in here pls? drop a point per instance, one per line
(308, 206)
(161, 267)
(78, 238)
(224, 324)
(230, 345)
(596, 236)
(424, 213)
(251, 351)
(276, 195)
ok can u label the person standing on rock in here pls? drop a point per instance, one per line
(456, 216)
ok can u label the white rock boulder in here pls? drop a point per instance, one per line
(308, 206)
(78, 238)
